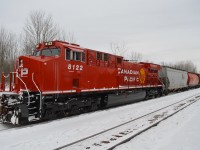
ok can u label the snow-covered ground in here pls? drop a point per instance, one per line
(57, 133)
(180, 132)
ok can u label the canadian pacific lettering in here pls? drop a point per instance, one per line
(131, 79)
(127, 71)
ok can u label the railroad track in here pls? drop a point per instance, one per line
(117, 135)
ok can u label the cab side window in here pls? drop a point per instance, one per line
(67, 54)
(83, 56)
(74, 55)
(99, 56)
(119, 61)
(105, 57)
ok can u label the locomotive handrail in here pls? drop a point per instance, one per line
(25, 87)
(2, 84)
(6, 76)
(39, 91)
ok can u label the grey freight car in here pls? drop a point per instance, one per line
(173, 79)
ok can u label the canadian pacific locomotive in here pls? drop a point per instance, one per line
(61, 79)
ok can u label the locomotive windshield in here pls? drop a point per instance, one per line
(47, 52)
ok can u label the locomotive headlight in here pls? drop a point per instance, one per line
(48, 43)
(38, 46)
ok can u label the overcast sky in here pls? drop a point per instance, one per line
(161, 30)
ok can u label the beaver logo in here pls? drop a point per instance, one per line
(142, 76)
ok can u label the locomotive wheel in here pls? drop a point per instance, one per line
(160, 93)
(146, 97)
(74, 110)
(15, 119)
(94, 107)
(166, 92)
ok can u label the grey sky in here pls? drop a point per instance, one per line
(162, 30)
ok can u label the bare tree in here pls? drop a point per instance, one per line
(134, 56)
(163, 63)
(118, 48)
(62, 35)
(182, 65)
(187, 65)
(71, 37)
(39, 27)
(67, 36)
(8, 50)
(3, 46)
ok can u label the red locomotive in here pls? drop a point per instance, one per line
(60, 78)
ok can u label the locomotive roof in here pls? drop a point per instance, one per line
(71, 45)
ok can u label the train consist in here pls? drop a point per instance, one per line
(177, 80)
(61, 79)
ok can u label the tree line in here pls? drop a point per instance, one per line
(187, 65)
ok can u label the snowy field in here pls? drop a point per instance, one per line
(180, 131)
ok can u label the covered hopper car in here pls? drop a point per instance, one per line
(173, 79)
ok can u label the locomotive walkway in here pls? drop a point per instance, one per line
(112, 137)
